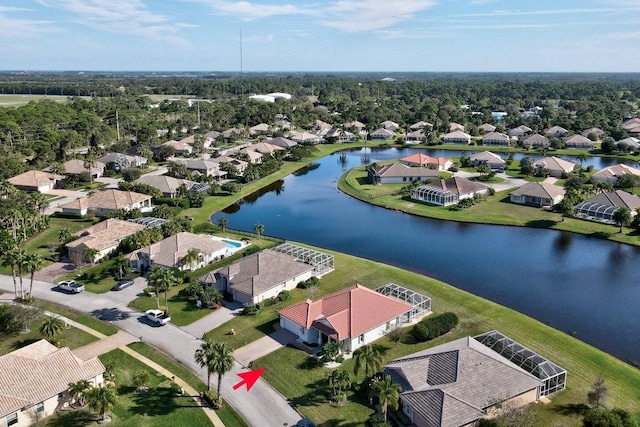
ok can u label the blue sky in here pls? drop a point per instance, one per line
(321, 35)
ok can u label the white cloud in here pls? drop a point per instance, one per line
(258, 39)
(574, 11)
(10, 27)
(248, 11)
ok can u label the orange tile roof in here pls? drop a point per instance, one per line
(347, 313)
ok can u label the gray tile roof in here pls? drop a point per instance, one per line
(616, 198)
(538, 189)
(400, 170)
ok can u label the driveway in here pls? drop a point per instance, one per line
(265, 345)
(262, 406)
(509, 181)
(109, 182)
(213, 320)
(68, 196)
(160, 170)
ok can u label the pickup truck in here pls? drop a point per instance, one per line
(70, 286)
(158, 317)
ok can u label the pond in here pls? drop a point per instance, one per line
(580, 285)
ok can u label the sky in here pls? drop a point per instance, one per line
(321, 35)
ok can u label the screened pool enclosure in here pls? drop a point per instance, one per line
(421, 304)
(321, 261)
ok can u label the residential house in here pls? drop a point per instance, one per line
(536, 141)
(457, 137)
(259, 129)
(206, 167)
(259, 276)
(456, 127)
(579, 142)
(103, 202)
(265, 148)
(538, 194)
(519, 131)
(445, 192)
(240, 165)
(283, 124)
(354, 316)
(496, 138)
(35, 180)
(35, 379)
(166, 184)
(340, 135)
(556, 166)
(77, 167)
(179, 148)
(422, 160)
(631, 125)
(612, 174)
(457, 383)
(281, 142)
(169, 252)
(305, 138)
(121, 161)
(602, 206)
(381, 134)
(398, 173)
(556, 131)
(254, 157)
(494, 161)
(487, 128)
(390, 126)
(595, 131)
(104, 237)
(628, 144)
(232, 134)
(320, 125)
(359, 127)
(420, 125)
(212, 136)
(416, 137)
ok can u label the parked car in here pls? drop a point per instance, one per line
(158, 317)
(70, 286)
(453, 169)
(122, 284)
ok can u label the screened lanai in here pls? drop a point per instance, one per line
(321, 261)
(595, 211)
(149, 221)
(553, 377)
(421, 303)
(434, 196)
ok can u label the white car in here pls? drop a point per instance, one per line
(158, 317)
(70, 286)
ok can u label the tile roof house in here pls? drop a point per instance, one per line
(580, 142)
(360, 127)
(445, 192)
(457, 137)
(166, 184)
(305, 138)
(556, 131)
(281, 142)
(35, 180)
(168, 253)
(123, 160)
(390, 125)
(180, 148)
(536, 141)
(103, 202)
(232, 133)
(457, 383)
(596, 131)
(496, 138)
(240, 165)
(416, 137)
(603, 206)
(35, 379)
(207, 167)
(265, 147)
(420, 125)
(398, 173)
(519, 131)
(104, 237)
(487, 128)
(76, 167)
(613, 173)
(494, 161)
(255, 157)
(340, 135)
(630, 124)
(537, 194)
(629, 143)
(355, 316)
(259, 276)
(420, 159)
(555, 165)
(259, 129)
(381, 134)
(456, 126)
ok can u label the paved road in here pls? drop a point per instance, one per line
(262, 406)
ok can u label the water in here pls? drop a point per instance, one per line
(574, 283)
(231, 244)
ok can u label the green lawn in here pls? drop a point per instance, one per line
(84, 319)
(289, 371)
(96, 278)
(228, 416)
(70, 337)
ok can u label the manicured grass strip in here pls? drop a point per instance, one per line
(89, 321)
(227, 414)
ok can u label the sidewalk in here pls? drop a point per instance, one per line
(104, 345)
(212, 321)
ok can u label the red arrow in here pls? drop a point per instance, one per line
(249, 378)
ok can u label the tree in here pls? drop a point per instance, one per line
(51, 327)
(338, 380)
(10, 259)
(119, 264)
(222, 223)
(259, 229)
(331, 350)
(222, 361)
(141, 378)
(581, 158)
(388, 394)
(526, 166)
(33, 263)
(90, 254)
(191, 258)
(65, 236)
(615, 417)
(565, 207)
(78, 390)
(396, 335)
(204, 357)
(210, 296)
(368, 358)
(101, 400)
(164, 279)
(598, 393)
(622, 216)
(89, 162)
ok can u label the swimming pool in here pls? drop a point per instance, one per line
(232, 244)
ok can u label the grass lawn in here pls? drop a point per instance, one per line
(289, 371)
(97, 278)
(89, 321)
(70, 337)
(227, 414)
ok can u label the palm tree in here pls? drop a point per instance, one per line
(622, 216)
(90, 254)
(119, 264)
(222, 361)
(65, 236)
(21, 265)
(191, 258)
(101, 400)
(33, 262)
(388, 394)
(369, 358)
(565, 207)
(338, 381)
(223, 222)
(204, 357)
(581, 158)
(51, 327)
(10, 259)
(89, 162)
(78, 390)
(153, 279)
(164, 279)
(331, 350)
(259, 229)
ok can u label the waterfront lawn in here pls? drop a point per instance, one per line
(291, 373)
(91, 322)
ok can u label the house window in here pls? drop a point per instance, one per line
(361, 339)
(407, 411)
(39, 407)
(12, 419)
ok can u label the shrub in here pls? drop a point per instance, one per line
(149, 290)
(250, 250)
(211, 397)
(313, 281)
(284, 296)
(251, 309)
(435, 326)
(269, 302)
(420, 333)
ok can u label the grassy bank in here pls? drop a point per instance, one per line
(495, 209)
(291, 373)
(84, 319)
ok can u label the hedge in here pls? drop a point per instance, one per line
(433, 327)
